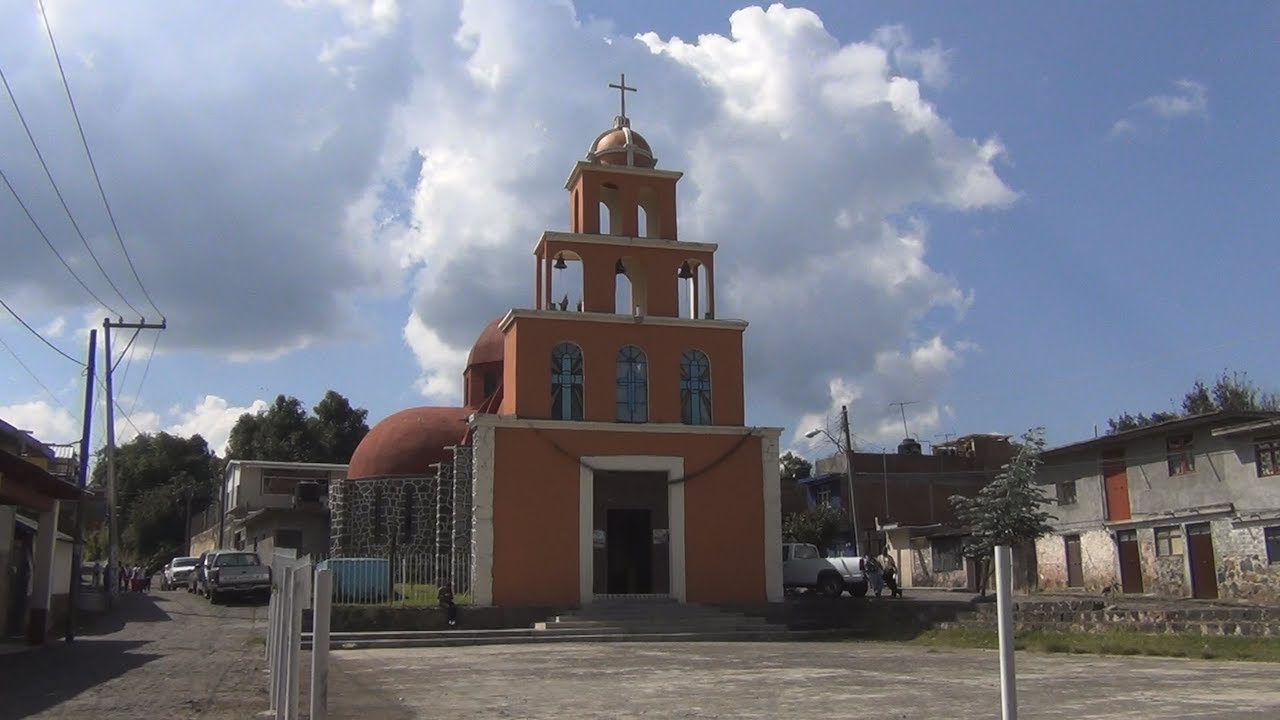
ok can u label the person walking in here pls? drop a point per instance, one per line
(890, 571)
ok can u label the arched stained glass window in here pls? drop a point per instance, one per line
(695, 388)
(566, 382)
(633, 385)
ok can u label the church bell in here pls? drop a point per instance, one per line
(560, 263)
(686, 272)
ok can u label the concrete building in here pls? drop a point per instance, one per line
(1185, 508)
(902, 501)
(272, 504)
(35, 566)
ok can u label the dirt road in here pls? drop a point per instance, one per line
(162, 655)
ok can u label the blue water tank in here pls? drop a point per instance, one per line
(359, 580)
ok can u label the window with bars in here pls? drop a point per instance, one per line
(1181, 458)
(824, 496)
(947, 555)
(566, 382)
(1067, 492)
(695, 388)
(1267, 454)
(1169, 541)
(633, 385)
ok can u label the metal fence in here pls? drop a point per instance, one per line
(400, 580)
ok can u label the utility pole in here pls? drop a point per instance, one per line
(848, 468)
(113, 552)
(77, 546)
(902, 408)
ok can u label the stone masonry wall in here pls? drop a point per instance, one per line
(1241, 558)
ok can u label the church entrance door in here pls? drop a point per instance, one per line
(629, 563)
(631, 535)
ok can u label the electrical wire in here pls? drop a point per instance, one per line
(4, 178)
(35, 377)
(146, 368)
(49, 174)
(35, 332)
(116, 404)
(93, 166)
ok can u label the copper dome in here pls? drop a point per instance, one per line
(489, 346)
(620, 145)
(408, 443)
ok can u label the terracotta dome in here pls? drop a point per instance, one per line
(621, 145)
(408, 443)
(489, 346)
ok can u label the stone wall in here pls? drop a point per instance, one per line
(923, 574)
(1241, 558)
(1098, 563)
(373, 518)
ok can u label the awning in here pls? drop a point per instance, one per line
(31, 486)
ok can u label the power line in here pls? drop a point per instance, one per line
(48, 242)
(115, 363)
(35, 377)
(35, 332)
(116, 404)
(92, 166)
(49, 174)
(146, 368)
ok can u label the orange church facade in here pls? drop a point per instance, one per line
(609, 451)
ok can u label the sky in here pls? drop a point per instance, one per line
(1008, 214)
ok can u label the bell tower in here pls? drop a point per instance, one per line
(622, 222)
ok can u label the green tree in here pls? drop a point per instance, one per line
(1010, 509)
(285, 432)
(153, 475)
(1230, 391)
(794, 467)
(819, 525)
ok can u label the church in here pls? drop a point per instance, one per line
(602, 448)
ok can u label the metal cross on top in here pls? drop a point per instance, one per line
(622, 89)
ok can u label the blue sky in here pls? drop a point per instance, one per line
(1083, 230)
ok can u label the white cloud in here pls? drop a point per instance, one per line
(931, 63)
(1190, 99)
(55, 328)
(810, 160)
(212, 417)
(47, 423)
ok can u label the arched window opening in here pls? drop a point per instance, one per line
(490, 384)
(704, 291)
(695, 388)
(606, 219)
(408, 520)
(566, 382)
(685, 290)
(642, 222)
(566, 289)
(624, 301)
(650, 217)
(633, 385)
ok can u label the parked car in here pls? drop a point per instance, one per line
(236, 572)
(804, 567)
(177, 571)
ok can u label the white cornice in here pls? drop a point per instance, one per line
(738, 325)
(507, 421)
(621, 240)
(581, 165)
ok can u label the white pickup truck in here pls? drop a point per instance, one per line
(804, 567)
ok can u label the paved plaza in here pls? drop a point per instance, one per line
(784, 680)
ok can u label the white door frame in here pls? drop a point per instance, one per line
(674, 468)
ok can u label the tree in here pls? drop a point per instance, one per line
(285, 432)
(153, 472)
(1232, 391)
(1010, 509)
(794, 467)
(819, 525)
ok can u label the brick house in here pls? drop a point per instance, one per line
(1185, 508)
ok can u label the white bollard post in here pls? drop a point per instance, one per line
(1004, 611)
(320, 608)
(298, 594)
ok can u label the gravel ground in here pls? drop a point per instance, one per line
(161, 655)
(783, 680)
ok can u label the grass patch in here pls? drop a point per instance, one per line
(1208, 647)
(415, 595)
